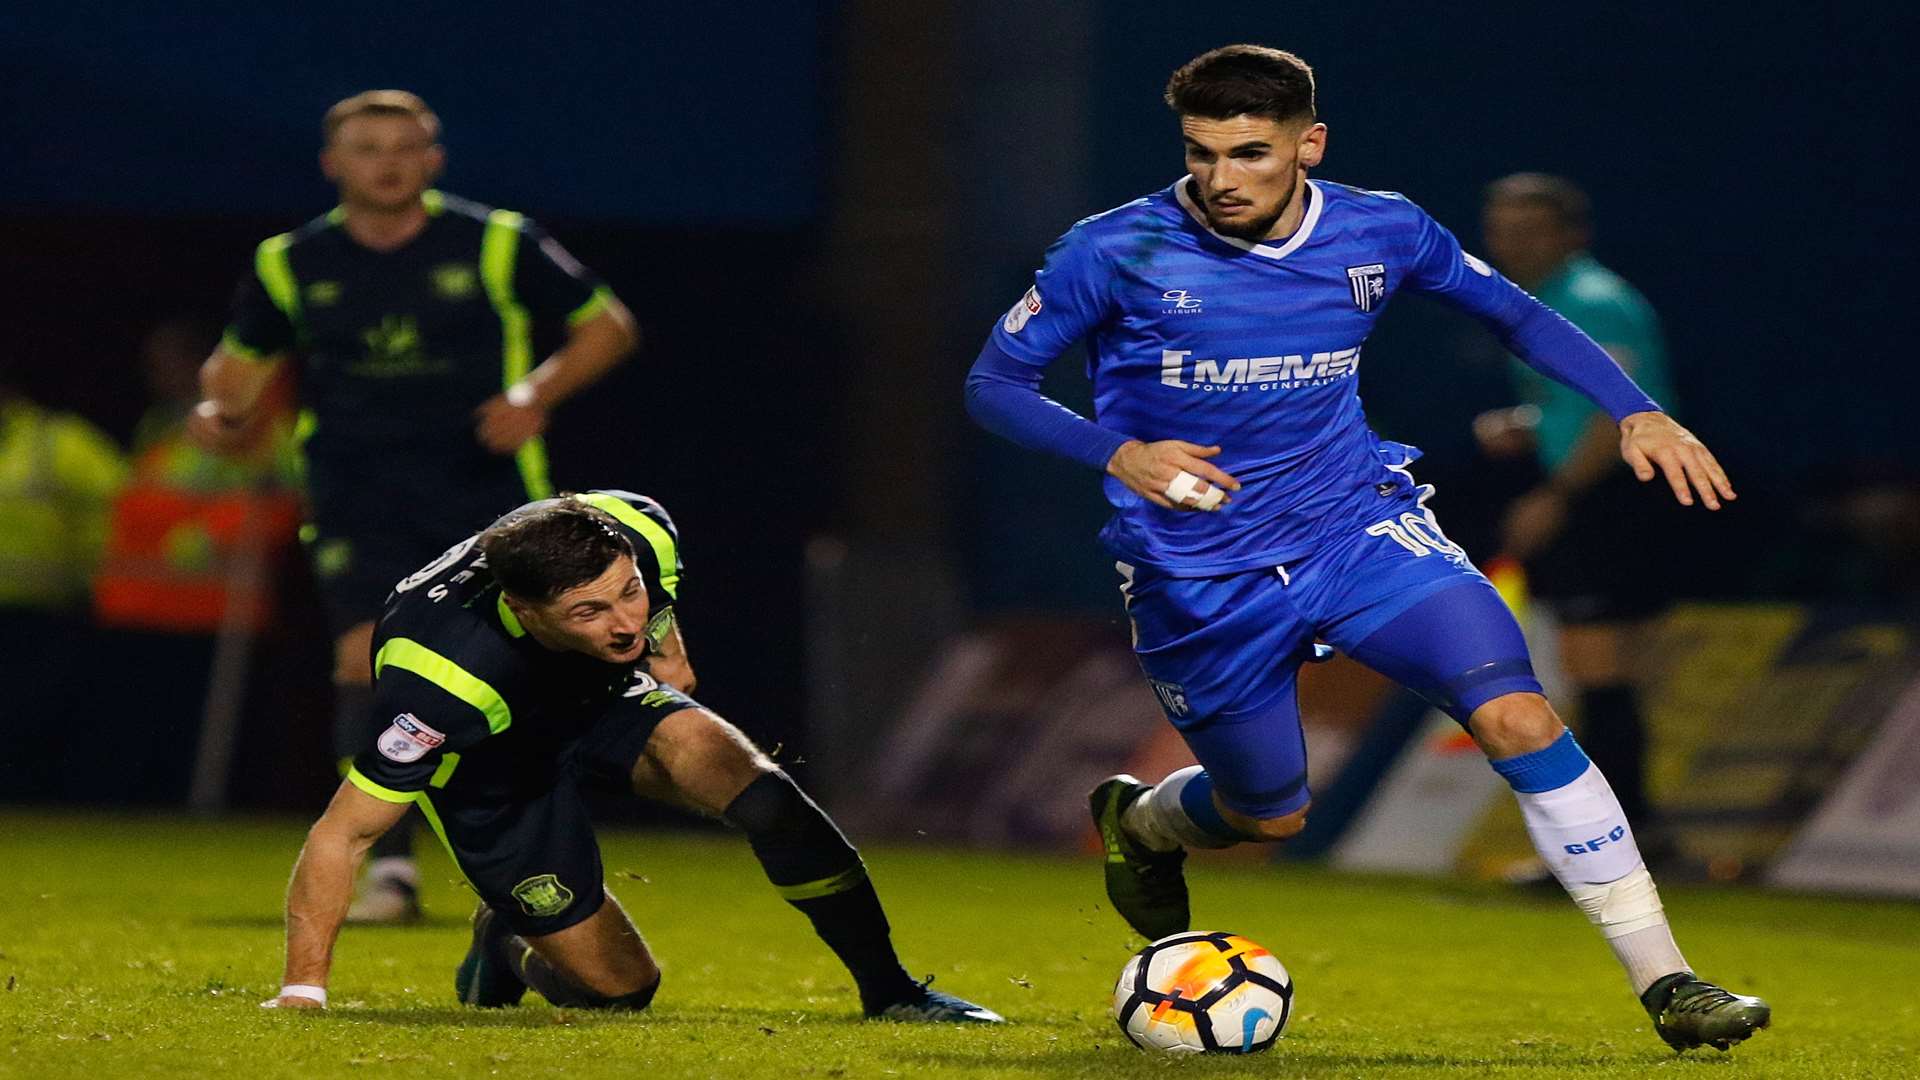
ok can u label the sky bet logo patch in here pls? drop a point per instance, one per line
(407, 739)
(1027, 308)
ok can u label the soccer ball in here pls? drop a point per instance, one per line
(1203, 993)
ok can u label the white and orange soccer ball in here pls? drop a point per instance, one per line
(1203, 993)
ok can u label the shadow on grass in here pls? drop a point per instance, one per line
(1118, 1058)
(278, 922)
(537, 1017)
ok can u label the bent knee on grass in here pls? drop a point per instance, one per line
(604, 953)
(698, 760)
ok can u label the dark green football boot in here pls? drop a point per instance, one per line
(925, 1005)
(1148, 888)
(484, 978)
(1688, 1011)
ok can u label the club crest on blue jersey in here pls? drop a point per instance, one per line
(1369, 284)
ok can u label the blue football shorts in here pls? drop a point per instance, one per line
(1222, 653)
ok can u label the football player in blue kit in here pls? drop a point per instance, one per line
(1257, 514)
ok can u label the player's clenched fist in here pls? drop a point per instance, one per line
(1172, 474)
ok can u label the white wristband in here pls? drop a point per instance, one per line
(302, 990)
(520, 394)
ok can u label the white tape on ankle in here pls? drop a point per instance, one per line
(1623, 906)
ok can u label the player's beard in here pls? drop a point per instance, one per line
(1257, 229)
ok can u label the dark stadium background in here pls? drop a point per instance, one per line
(817, 210)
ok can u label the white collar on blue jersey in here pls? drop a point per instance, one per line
(1316, 201)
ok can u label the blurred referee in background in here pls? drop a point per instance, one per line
(1574, 532)
(411, 315)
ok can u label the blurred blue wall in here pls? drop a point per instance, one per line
(681, 114)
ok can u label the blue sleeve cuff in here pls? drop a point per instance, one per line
(1003, 396)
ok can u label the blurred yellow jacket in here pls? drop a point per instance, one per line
(58, 476)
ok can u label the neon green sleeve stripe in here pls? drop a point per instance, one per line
(231, 344)
(384, 794)
(499, 249)
(440, 830)
(595, 304)
(409, 655)
(813, 890)
(535, 476)
(508, 620)
(275, 270)
(448, 762)
(665, 552)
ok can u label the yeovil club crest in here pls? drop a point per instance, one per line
(542, 895)
(1369, 284)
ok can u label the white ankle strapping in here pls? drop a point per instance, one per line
(1621, 907)
(1631, 918)
(1157, 819)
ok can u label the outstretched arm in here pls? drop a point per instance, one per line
(1650, 441)
(322, 887)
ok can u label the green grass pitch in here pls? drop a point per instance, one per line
(142, 947)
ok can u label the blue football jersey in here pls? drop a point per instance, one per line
(1254, 347)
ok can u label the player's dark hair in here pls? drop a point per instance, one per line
(1243, 80)
(545, 548)
(1556, 193)
(380, 103)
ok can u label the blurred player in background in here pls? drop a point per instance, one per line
(1256, 511)
(411, 314)
(58, 477)
(537, 658)
(1570, 529)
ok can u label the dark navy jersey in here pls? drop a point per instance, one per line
(396, 349)
(1252, 346)
(476, 705)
